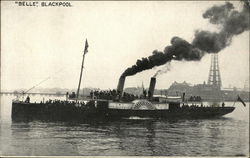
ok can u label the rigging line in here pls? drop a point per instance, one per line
(42, 81)
(37, 84)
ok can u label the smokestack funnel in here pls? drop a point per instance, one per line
(151, 87)
(120, 85)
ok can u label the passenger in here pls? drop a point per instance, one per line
(223, 104)
(83, 104)
(27, 99)
(67, 95)
(145, 94)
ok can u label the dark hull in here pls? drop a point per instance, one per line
(31, 111)
(194, 112)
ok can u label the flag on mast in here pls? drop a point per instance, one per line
(86, 47)
(239, 99)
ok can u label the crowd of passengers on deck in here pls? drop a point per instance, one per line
(109, 95)
(63, 102)
(113, 95)
(116, 95)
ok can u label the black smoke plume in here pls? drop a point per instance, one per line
(179, 50)
(231, 22)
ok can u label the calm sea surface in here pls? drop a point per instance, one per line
(226, 136)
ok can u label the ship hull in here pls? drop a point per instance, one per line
(61, 112)
(47, 112)
(197, 112)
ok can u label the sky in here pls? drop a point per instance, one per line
(42, 42)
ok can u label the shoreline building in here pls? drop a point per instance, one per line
(211, 91)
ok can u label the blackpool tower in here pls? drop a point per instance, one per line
(214, 77)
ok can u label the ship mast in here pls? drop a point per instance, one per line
(85, 52)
